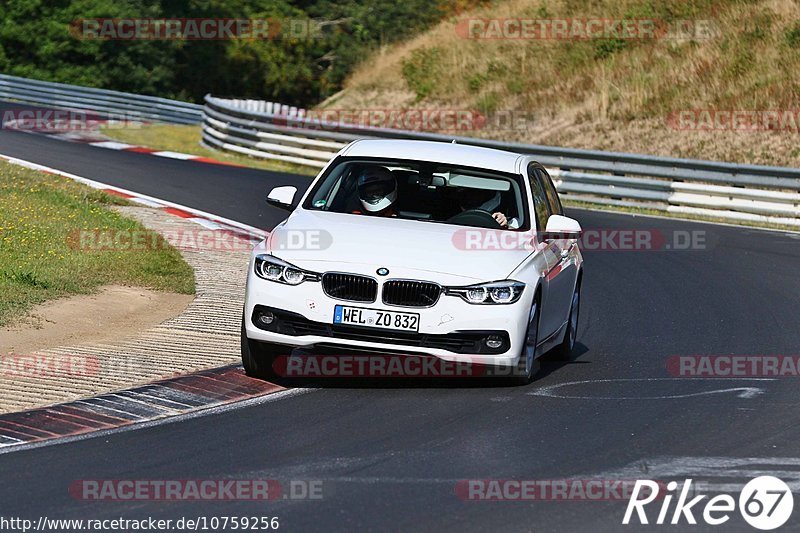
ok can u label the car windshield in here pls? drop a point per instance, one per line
(424, 191)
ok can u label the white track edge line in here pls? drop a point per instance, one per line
(251, 230)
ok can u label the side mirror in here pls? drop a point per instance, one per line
(282, 197)
(561, 227)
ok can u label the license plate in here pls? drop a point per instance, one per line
(374, 318)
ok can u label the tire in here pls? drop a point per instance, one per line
(258, 357)
(526, 368)
(563, 352)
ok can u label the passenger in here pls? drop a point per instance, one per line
(482, 199)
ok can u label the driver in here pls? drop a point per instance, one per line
(469, 199)
(377, 191)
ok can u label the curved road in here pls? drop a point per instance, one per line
(390, 456)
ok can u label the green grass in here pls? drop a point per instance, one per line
(186, 139)
(40, 217)
(750, 61)
(419, 69)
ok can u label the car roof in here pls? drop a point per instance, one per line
(436, 152)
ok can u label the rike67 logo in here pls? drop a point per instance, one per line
(765, 503)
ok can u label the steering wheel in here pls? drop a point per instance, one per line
(478, 218)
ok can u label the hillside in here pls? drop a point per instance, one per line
(310, 48)
(670, 93)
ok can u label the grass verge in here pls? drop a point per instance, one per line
(39, 216)
(186, 139)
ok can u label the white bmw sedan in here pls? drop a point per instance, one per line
(413, 247)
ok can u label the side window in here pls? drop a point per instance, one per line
(540, 203)
(550, 192)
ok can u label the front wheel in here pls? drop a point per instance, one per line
(563, 351)
(258, 358)
(527, 365)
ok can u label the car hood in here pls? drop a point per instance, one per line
(324, 241)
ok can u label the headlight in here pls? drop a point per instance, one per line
(273, 269)
(270, 271)
(293, 277)
(503, 295)
(497, 292)
(476, 295)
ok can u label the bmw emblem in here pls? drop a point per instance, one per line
(382, 271)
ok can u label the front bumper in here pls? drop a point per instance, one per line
(452, 330)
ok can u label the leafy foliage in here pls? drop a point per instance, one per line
(36, 42)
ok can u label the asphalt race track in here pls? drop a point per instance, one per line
(390, 456)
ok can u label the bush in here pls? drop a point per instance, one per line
(35, 41)
(419, 71)
(793, 36)
(607, 47)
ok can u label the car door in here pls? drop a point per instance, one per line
(564, 274)
(549, 320)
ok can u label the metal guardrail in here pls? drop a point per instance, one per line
(731, 191)
(100, 101)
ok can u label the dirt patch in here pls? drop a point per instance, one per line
(112, 313)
